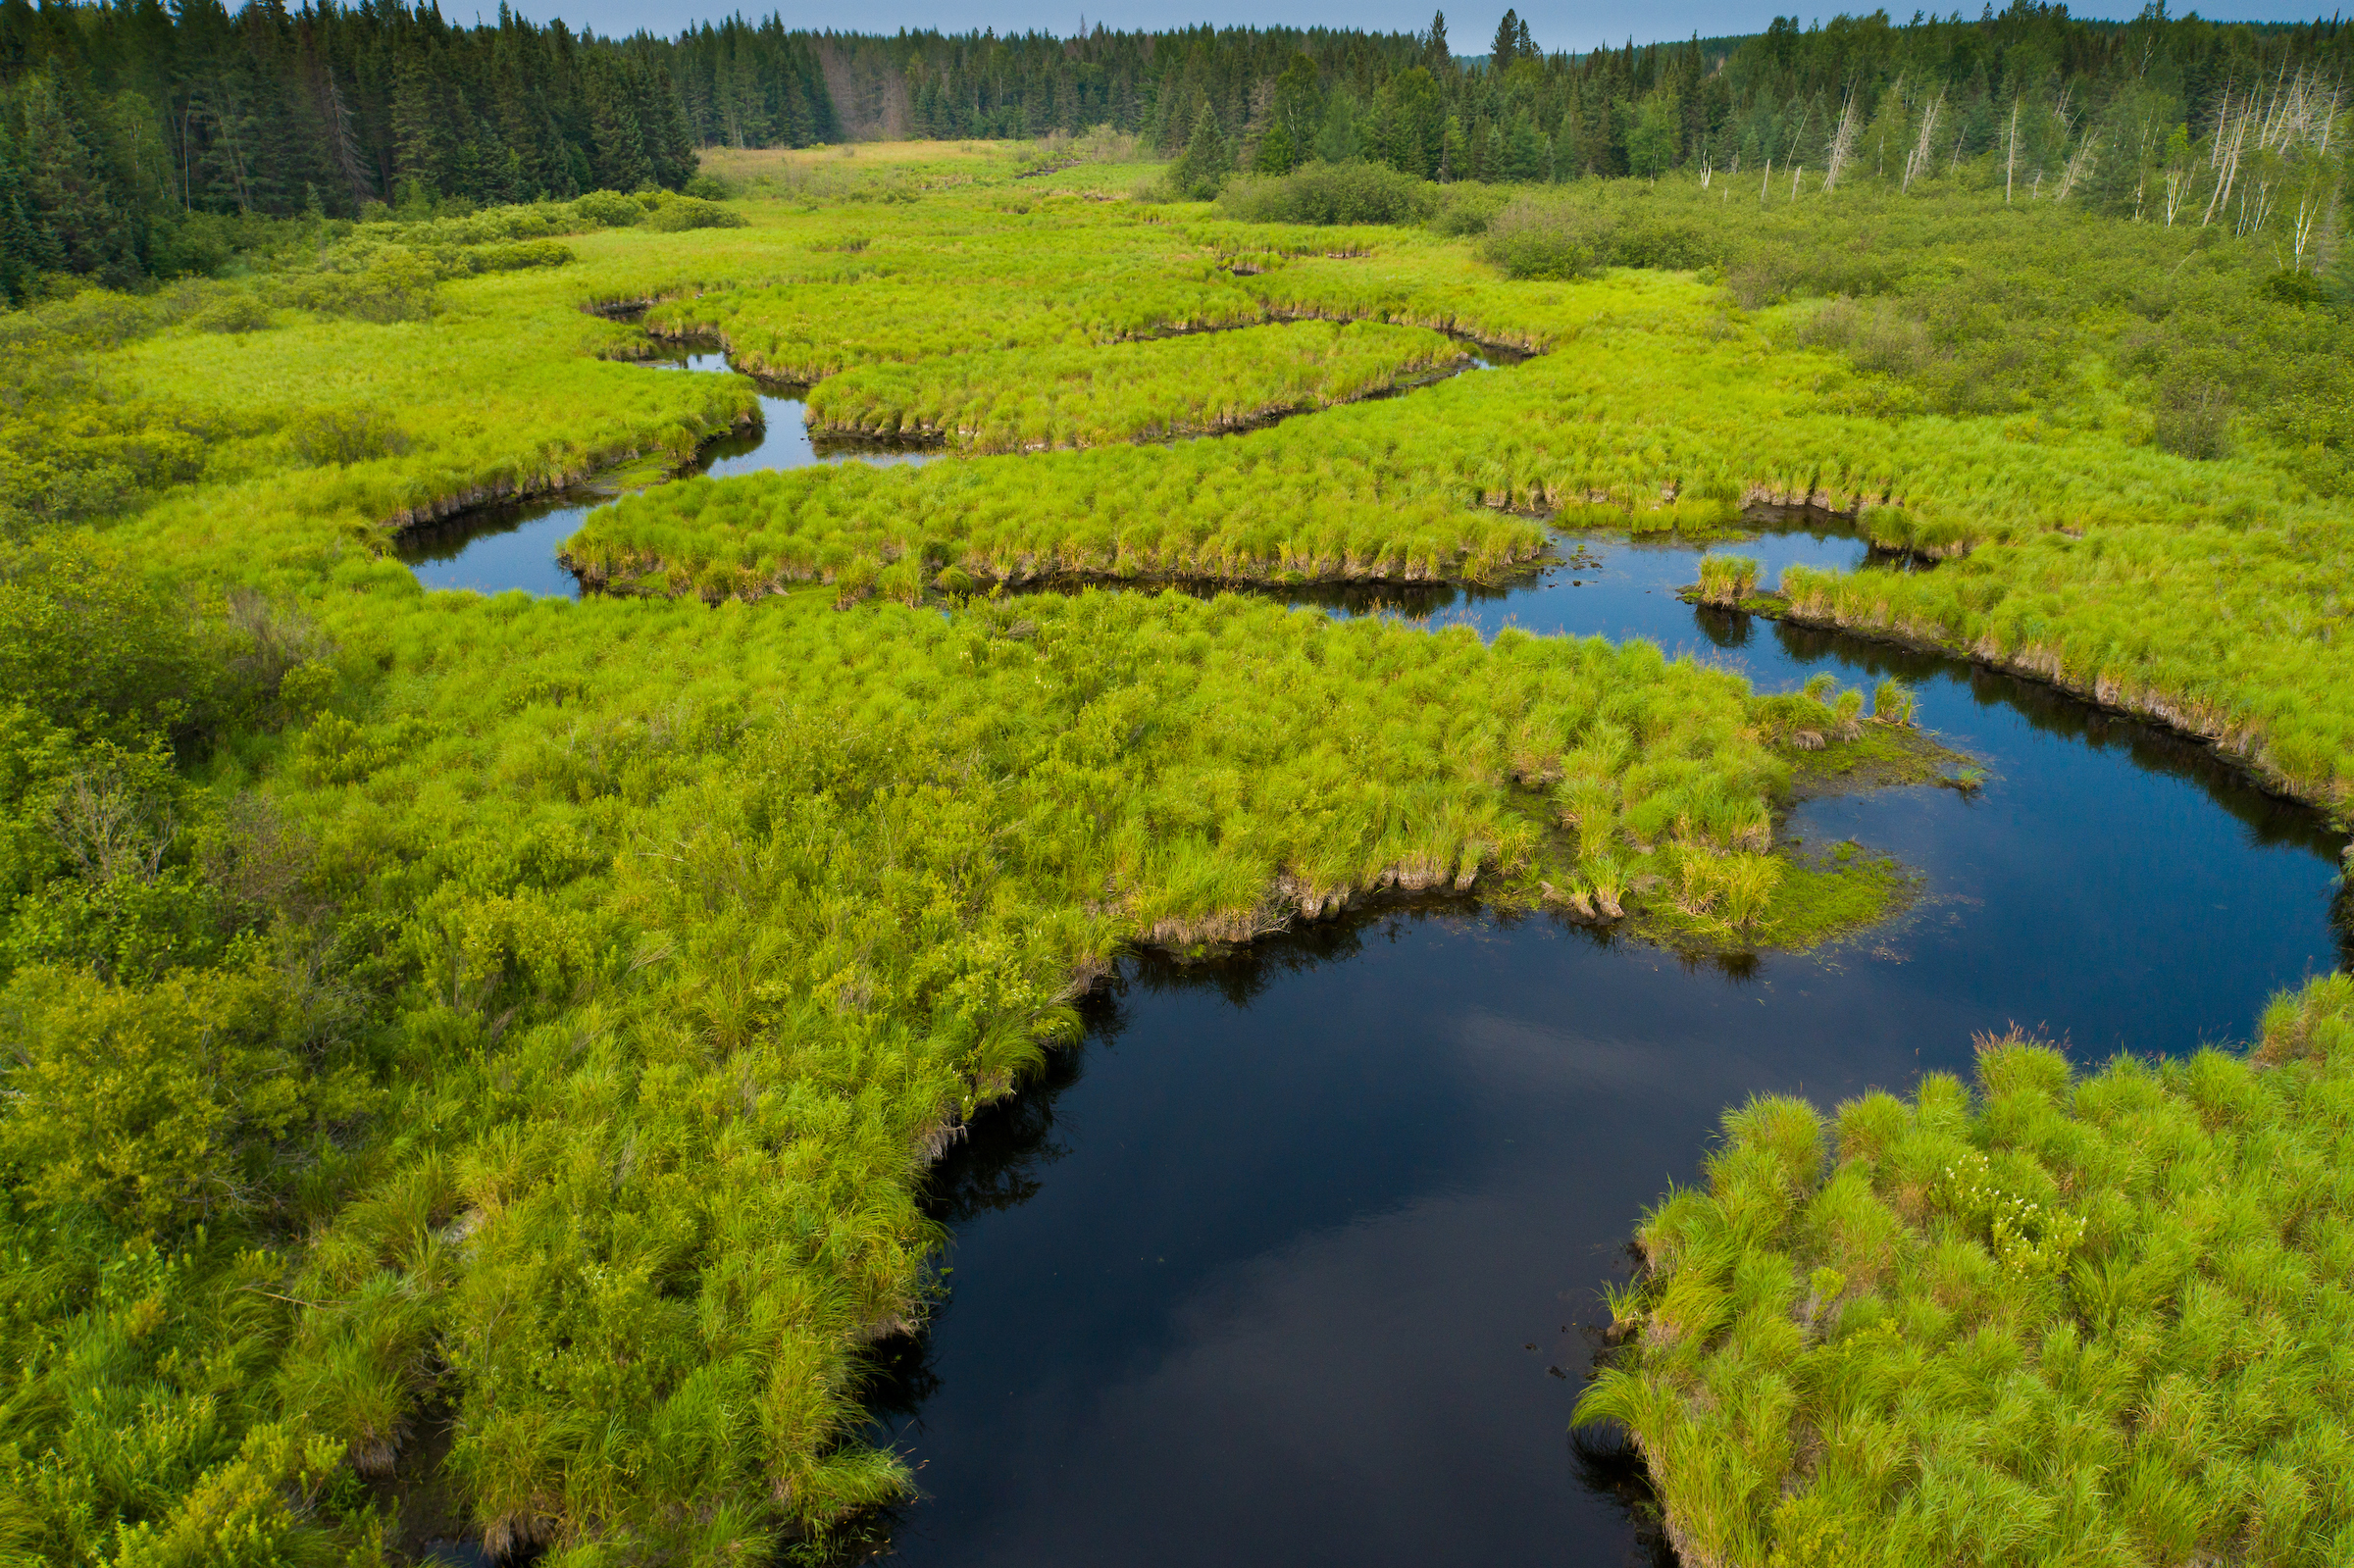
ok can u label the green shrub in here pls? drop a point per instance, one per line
(1331, 193)
(339, 435)
(681, 213)
(608, 209)
(1529, 242)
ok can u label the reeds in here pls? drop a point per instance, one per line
(632, 958)
(1727, 579)
(1917, 1338)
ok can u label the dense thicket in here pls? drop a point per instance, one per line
(120, 122)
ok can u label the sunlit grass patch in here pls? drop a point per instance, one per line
(2070, 1317)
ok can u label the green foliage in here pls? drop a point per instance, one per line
(1046, 397)
(682, 213)
(1524, 242)
(2128, 1280)
(665, 974)
(160, 1104)
(1727, 580)
(1331, 193)
(1207, 163)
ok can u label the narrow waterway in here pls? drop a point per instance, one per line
(495, 549)
(1298, 1257)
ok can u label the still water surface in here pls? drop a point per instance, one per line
(495, 549)
(1298, 1257)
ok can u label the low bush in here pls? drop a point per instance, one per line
(1528, 241)
(678, 214)
(1331, 193)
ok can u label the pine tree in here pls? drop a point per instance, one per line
(1436, 56)
(27, 247)
(1274, 151)
(1506, 49)
(420, 153)
(65, 193)
(1206, 162)
(619, 143)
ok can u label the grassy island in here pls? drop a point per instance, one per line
(2072, 1318)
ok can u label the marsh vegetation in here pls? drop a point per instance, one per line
(507, 1037)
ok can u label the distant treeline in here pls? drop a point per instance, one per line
(122, 124)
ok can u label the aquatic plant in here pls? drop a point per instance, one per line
(2071, 1316)
(1727, 579)
(1031, 399)
(589, 984)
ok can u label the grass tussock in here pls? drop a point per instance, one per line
(2069, 1318)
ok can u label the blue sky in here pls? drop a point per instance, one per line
(1556, 25)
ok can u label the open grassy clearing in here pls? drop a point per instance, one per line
(2071, 1319)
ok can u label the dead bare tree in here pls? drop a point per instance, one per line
(1918, 162)
(2075, 169)
(2011, 157)
(1843, 141)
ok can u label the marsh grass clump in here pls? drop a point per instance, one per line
(1727, 579)
(1060, 397)
(2068, 1316)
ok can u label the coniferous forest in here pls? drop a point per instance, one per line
(130, 132)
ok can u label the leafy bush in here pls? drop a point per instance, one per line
(2193, 420)
(678, 214)
(1331, 193)
(515, 258)
(237, 312)
(1528, 241)
(608, 209)
(339, 435)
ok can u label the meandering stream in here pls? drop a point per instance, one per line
(1298, 1257)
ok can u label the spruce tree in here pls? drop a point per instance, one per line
(1506, 48)
(618, 143)
(64, 189)
(1207, 163)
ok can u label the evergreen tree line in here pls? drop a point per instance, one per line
(123, 121)
(124, 126)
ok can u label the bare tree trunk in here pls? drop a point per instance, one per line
(1843, 142)
(1918, 162)
(2011, 158)
(2075, 171)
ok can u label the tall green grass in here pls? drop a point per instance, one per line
(1031, 400)
(550, 1008)
(2096, 1318)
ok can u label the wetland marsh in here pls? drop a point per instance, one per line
(1119, 982)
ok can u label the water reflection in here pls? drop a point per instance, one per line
(1300, 1255)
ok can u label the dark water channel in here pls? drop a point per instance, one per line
(1298, 1257)
(497, 548)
